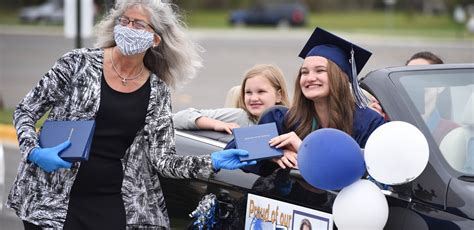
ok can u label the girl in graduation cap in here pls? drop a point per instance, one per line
(327, 95)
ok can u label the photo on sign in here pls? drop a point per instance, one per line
(306, 221)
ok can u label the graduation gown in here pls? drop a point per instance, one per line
(365, 122)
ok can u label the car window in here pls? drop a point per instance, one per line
(444, 99)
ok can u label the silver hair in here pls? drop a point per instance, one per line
(177, 58)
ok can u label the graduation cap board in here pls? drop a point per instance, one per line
(348, 56)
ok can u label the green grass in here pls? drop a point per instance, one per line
(6, 116)
(373, 22)
(380, 20)
(207, 19)
(9, 16)
(397, 23)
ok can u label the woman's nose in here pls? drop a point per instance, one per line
(131, 25)
(311, 77)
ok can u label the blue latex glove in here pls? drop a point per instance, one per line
(229, 159)
(48, 158)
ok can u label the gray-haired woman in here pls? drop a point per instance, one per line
(123, 85)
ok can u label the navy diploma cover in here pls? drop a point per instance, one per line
(80, 134)
(255, 140)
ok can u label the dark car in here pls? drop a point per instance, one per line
(271, 13)
(440, 198)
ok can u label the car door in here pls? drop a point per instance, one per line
(440, 197)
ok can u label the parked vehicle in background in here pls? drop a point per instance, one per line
(440, 198)
(51, 11)
(272, 13)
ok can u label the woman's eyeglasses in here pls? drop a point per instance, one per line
(136, 24)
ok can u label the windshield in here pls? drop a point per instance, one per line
(444, 99)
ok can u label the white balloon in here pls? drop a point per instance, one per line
(396, 153)
(360, 206)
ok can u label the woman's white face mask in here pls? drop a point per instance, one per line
(132, 41)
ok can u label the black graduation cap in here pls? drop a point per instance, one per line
(343, 53)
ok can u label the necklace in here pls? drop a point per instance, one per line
(122, 78)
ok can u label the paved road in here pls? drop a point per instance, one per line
(26, 56)
(8, 168)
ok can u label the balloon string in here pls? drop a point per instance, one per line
(380, 185)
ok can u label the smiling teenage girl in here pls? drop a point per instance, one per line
(327, 95)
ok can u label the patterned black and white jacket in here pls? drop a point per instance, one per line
(71, 91)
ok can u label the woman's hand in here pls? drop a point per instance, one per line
(289, 140)
(221, 126)
(288, 160)
(48, 158)
(229, 159)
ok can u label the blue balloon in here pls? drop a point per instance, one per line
(330, 159)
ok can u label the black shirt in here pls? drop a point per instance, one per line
(120, 117)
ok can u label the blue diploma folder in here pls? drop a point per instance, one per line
(255, 139)
(80, 134)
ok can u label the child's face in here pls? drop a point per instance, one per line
(260, 95)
